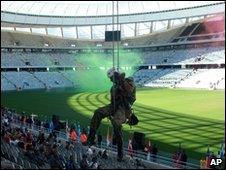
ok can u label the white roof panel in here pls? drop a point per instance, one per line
(93, 8)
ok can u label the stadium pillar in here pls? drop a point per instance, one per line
(187, 20)
(46, 31)
(62, 33)
(76, 31)
(169, 24)
(91, 31)
(151, 27)
(135, 31)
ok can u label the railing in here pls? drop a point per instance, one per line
(147, 157)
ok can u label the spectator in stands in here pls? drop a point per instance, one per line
(95, 154)
(212, 156)
(29, 121)
(6, 138)
(184, 158)
(51, 127)
(202, 164)
(55, 163)
(174, 159)
(99, 154)
(21, 144)
(99, 139)
(6, 121)
(130, 148)
(83, 138)
(51, 138)
(148, 147)
(67, 147)
(84, 163)
(104, 154)
(138, 163)
(94, 164)
(178, 162)
(154, 152)
(23, 119)
(38, 123)
(41, 138)
(73, 135)
(89, 152)
(70, 163)
(29, 137)
(3, 131)
(208, 160)
(222, 165)
(46, 125)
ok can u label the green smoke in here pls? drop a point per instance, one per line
(92, 74)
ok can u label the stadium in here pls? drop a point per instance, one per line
(55, 60)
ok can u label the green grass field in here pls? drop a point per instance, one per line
(194, 118)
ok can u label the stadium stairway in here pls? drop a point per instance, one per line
(9, 81)
(73, 84)
(44, 84)
(194, 29)
(186, 76)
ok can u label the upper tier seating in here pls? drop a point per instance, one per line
(182, 78)
(205, 78)
(213, 55)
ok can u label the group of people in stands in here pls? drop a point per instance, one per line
(44, 151)
(90, 158)
(73, 135)
(206, 163)
(179, 159)
(153, 150)
(39, 150)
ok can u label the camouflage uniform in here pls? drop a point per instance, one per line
(118, 112)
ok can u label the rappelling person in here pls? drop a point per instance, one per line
(119, 111)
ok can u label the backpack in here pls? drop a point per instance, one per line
(130, 90)
(133, 120)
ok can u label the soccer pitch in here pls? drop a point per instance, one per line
(194, 118)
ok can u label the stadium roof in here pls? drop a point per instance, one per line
(94, 8)
(90, 19)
